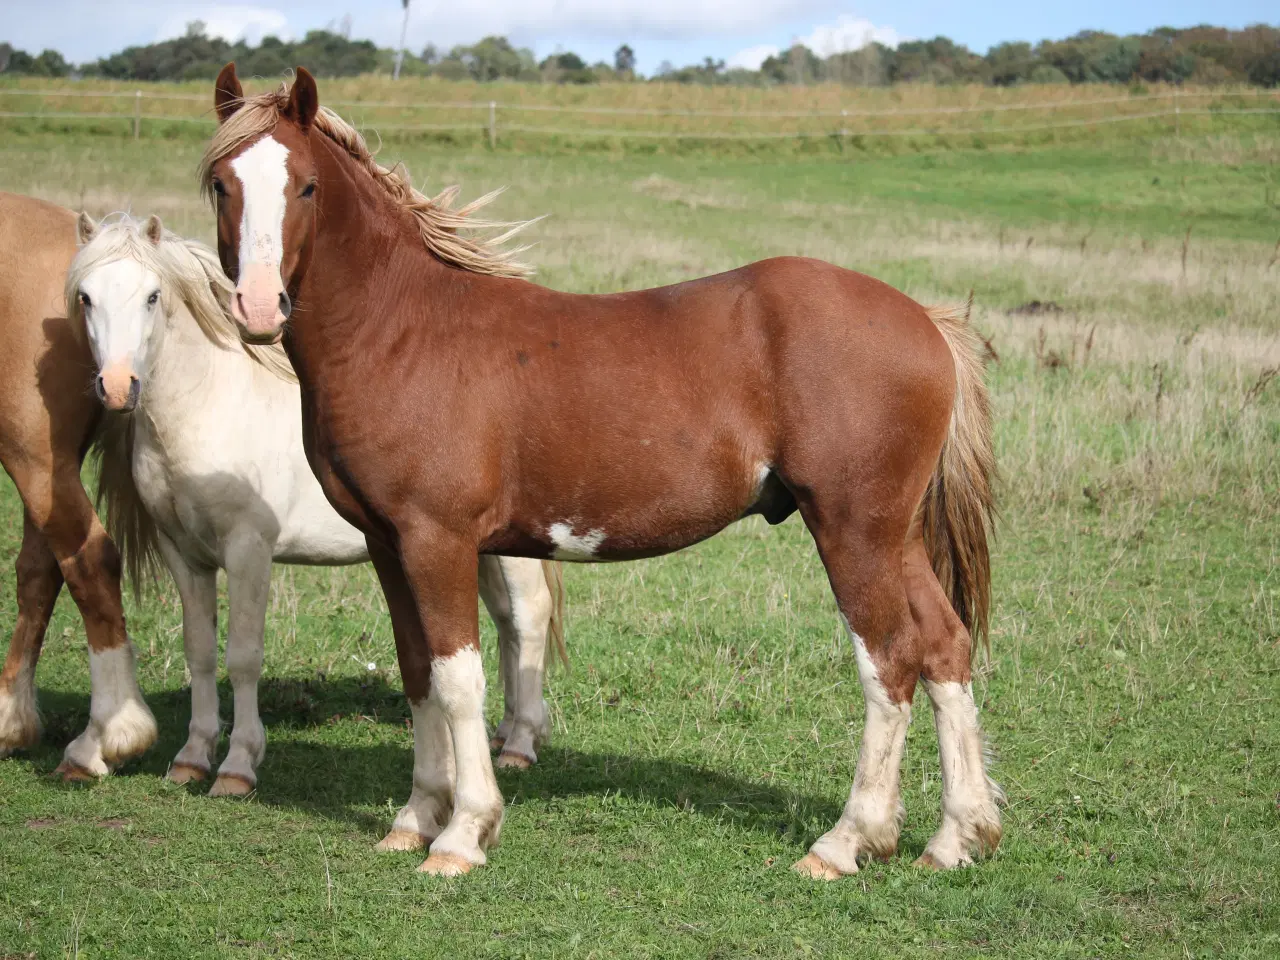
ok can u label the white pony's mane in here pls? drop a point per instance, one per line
(191, 277)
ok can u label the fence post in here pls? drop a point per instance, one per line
(843, 130)
(493, 124)
(1177, 113)
(137, 113)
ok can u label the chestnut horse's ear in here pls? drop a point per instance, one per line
(153, 229)
(304, 100)
(227, 93)
(86, 229)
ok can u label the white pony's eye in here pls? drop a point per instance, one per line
(154, 298)
(84, 300)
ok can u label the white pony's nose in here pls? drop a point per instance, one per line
(117, 387)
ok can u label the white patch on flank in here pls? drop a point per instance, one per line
(762, 474)
(571, 547)
(968, 797)
(263, 174)
(871, 818)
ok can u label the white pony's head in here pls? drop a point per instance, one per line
(128, 280)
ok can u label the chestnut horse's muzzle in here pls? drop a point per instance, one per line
(260, 305)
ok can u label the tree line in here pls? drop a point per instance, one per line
(1204, 54)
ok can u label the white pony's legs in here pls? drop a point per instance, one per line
(248, 562)
(516, 595)
(198, 590)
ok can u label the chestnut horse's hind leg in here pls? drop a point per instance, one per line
(39, 582)
(430, 804)
(867, 580)
(516, 595)
(970, 819)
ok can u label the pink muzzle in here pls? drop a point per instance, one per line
(260, 305)
(117, 387)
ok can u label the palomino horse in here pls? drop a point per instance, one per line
(452, 408)
(48, 418)
(202, 461)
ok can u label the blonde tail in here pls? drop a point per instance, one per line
(553, 571)
(959, 506)
(127, 520)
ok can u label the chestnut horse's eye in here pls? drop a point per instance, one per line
(218, 189)
(308, 190)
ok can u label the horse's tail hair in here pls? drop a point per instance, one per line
(127, 520)
(553, 572)
(958, 512)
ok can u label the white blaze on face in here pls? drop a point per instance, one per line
(569, 546)
(263, 174)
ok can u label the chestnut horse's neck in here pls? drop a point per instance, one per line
(369, 268)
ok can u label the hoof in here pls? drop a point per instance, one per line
(495, 743)
(404, 840)
(185, 773)
(513, 761)
(445, 865)
(231, 785)
(927, 861)
(69, 772)
(812, 865)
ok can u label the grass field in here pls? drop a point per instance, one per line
(668, 118)
(705, 734)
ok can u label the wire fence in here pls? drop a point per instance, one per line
(492, 118)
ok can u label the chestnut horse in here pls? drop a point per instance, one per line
(453, 408)
(48, 420)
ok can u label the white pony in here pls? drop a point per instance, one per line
(203, 461)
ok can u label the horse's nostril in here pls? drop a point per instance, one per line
(286, 305)
(99, 390)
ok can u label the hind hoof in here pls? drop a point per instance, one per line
(812, 865)
(404, 840)
(513, 761)
(231, 785)
(445, 865)
(495, 743)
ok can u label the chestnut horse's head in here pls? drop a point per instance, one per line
(262, 176)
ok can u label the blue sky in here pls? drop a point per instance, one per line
(680, 31)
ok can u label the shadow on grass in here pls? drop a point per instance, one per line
(365, 783)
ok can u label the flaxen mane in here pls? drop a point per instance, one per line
(437, 221)
(191, 277)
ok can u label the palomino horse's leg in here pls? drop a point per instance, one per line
(970, 819)
(120, 724)
(39, 581)
(198, 590)
(868, 586)
(248, 562)
(442, 572)
(516, 595)
(423, 818)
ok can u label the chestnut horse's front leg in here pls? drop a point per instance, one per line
(441, 568)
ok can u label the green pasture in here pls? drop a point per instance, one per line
(706, 731)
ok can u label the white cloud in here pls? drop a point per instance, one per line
(231, 22)
(847, 33)
(752, 57)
